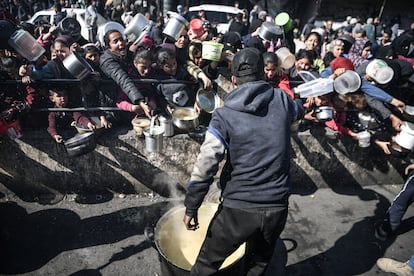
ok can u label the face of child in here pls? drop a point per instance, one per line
(117, 43)
(366, 51)
(312, 42)
(61, 50)
(143, 67)
(270, 71)
(59, 99)
(92, 57)
(170, 67)
(303, 64)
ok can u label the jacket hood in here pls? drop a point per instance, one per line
(250, 97)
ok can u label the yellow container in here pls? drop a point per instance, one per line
(212, 50)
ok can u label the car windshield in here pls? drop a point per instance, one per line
(212, 16)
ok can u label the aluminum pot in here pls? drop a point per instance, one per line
(208, 100)
(175, 26)
(178, 247)
(77, 66)
(136, 27)
(270, 32)
(324, 113)
(80, 144)
(185, 118)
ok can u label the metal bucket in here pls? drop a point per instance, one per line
(167, 126)
(154, 137)
(175, 26)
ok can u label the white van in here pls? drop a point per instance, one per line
(216, 14)
(47, 16)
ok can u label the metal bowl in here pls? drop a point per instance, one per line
(185, 118)
(270, 32)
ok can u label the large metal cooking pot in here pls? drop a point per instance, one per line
(175, 26)
(80, 144)
(179, 247)
(185, 118)
(77, 66)
(136, 28)
(270, 32)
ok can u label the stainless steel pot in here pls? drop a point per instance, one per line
(136, 27)
(179, 247)
(175, 26)
(77, 66)
(270, 32)
(80, 144)
(324, 113)
(208, 100)
(185, 118)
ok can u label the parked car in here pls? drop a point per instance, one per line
(47, 16)
(216, 14)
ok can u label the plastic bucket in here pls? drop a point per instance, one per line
(26, 45)
(196, 26)
(348, 82)
(364, 139)
(406, 136)
(379, 71)
(283, 19)
(175, 26)
(287, 59)
(314, 88)
(212, 50)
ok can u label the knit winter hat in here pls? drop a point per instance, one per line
(341, 62)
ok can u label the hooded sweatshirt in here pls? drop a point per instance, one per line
(253, 128)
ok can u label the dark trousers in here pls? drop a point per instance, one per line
(259, 228)
(400, 203)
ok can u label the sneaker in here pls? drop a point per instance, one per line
(398, 268)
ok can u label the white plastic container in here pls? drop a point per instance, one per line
(315, 88)
(406, 136)
(287, 59)
(364, 139)
(26, 45)
(348, 82)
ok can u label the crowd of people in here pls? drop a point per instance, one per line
(158, 73)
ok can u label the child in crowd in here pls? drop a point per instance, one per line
(275, 75)
(176, 94)
(60, 119)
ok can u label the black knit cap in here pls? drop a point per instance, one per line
(246, 62)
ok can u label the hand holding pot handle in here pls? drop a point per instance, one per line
(191, 226)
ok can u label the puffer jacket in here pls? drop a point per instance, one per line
(115, 67)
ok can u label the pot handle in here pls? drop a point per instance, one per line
(149, 234)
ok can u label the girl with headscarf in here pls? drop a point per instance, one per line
(360, 51)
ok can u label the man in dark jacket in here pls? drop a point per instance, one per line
(253, 130)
